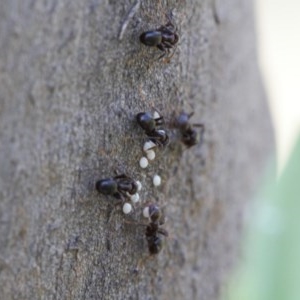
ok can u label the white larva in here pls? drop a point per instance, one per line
(146, 212)
(148, 146)
(150, 154)
(156, 115)
(135, 198)
(144, 162)
(139, 185)
(156, 180)
(127, 208)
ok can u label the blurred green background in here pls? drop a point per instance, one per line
(270, 256)
(270, 267)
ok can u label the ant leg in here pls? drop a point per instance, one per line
(163, 232)
(139, 265)
(191, 114)
(202, 129)
(159, 121)
(162, 49)
(169, 20)
(201, 133)
(170, 56)
(166, 29)
(120, 176)
(201, 125)
(135, 223)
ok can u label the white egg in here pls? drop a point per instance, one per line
(139, 185)
(156, 180)
(144, 162)
(150, 154)
(127, 208)
(135, 198)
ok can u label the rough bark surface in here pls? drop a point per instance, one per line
(70, 89)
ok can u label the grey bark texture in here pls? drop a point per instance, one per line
(70, 87)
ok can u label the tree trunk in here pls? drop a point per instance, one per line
(73, 75)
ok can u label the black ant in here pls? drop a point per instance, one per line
(189, 136)
(164, 38)
(153, 230)
(119, 186)
(150, 124)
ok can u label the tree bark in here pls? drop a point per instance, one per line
(73, 74)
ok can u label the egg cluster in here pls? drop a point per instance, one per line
(127, 190)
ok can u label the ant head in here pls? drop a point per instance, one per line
(190, 138)
(182, 121)
(155, 213)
